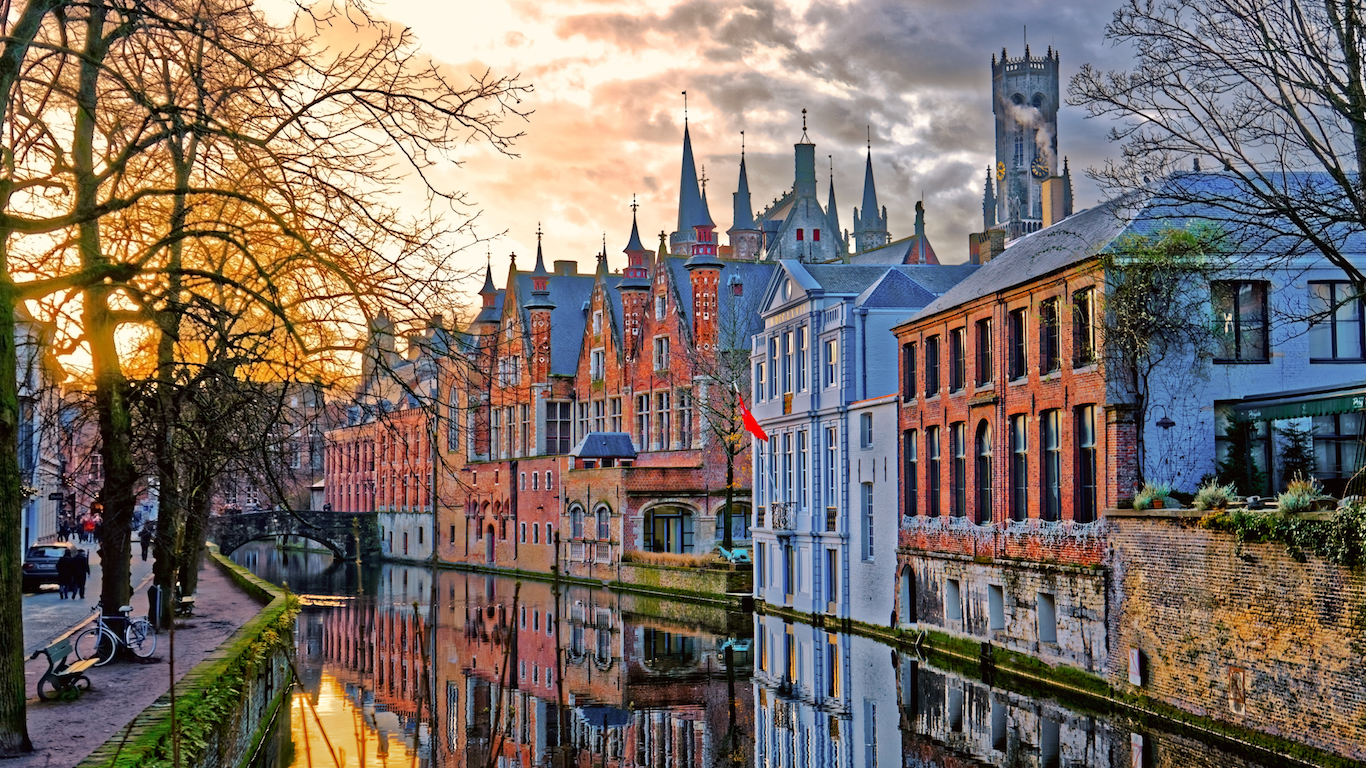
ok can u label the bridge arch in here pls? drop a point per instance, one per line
(347, 534)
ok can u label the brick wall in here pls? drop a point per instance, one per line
(1205, 612)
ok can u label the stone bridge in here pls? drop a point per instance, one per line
(348, 534)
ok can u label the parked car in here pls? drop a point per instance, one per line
(40, 564)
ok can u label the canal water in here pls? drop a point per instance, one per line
(400, 667)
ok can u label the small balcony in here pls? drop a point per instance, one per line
(782, 515)
(831, 519)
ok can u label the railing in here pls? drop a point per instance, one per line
(760, 517)
(783, 514)
(831, 519)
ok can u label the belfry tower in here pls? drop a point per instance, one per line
(1025, 102)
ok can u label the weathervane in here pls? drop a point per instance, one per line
(634, 205)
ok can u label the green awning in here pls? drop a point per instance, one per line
(1294, 405)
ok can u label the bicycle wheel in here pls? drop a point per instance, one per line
(140, 638)
(96, 643)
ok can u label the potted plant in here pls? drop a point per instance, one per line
(1152, 496)
(1213, 496)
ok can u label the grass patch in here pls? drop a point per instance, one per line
(673, 559)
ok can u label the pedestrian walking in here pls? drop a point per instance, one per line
(81, 573)
(88, 529)
(145, 539)
(66, 575)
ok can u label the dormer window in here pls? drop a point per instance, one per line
(659, 307)
(597, 322)
(737, 289)
(801, 234)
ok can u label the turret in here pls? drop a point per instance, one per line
(744, 234)
(806, 232)
(539, 307)
(692, 206)
(634, 288)
(988, 204)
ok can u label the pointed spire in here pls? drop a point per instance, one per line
(663, 248)
(706, 219)
(870, 206)
(488, 289)
(988, 204)
(691, 209)
(831, 211)
(633, 245)
(1067, 188)
(743, 217)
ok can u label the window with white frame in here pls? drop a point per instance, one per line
(661, 353)
(787, 362)
(663, 407)
(867, 508)
(659, 307)
(865, 421)
(524, 411)
(597, 364)
(614, 408)
(801, 358)
(831, 466)
(599, 415)
(832, 361)
(685, 420)
(643, 422)
(597, 322)
(582, 421)
(1338, 331)
(803, 488)
(495, 430)
(772, 367)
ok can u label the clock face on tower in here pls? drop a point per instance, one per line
(1039, 168)
(1001, 170)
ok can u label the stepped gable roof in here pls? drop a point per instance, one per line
(901, 251)
(604, 445)
(567, 319)
(1068, 242)
(894, 290)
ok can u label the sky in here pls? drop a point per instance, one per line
(607, 110)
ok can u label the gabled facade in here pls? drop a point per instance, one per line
(816, 376)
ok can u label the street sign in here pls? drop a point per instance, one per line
(55, 496)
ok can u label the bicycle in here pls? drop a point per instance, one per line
(100, 643)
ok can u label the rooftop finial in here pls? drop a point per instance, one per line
(634, 204)
(804, 124)
(704, 179)
(685, 107)
(512, 258)
(832, 168)
(742, 145)
(538, 233)
(870, 139)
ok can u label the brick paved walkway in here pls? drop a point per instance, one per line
(63, 733)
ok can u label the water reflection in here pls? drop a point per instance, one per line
(398, 667)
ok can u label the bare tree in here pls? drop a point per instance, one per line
(1273, 91)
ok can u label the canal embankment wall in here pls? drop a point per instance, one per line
(226, 704)
(1241, 633)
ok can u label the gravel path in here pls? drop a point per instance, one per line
(64, 733)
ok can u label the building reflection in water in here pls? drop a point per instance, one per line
(532, 674)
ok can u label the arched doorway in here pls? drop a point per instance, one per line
(907, 595)
(669, 529)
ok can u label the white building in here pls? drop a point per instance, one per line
(823, 389)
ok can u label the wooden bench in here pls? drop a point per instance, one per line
(61, 677)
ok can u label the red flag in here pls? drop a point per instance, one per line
(751, 423)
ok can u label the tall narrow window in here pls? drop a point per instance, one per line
(787, 467)
(1019, 338)
(983, 472)
(495, 432)
(760, 475)
(984, 371)
(1086, 464)
(802, 465)
(685, 426)
(643, 422)
(1049, 337)
(1019, 467)
(910, 477)
(773, 367)
(1083, 329)
(453, 421)
(615, 408)
(760, 383)
(1050, 435)
(662, 410)
(832, 362)
(866, 430)
(1338, 331)
(959, 479)
(599, 416)
(931, 366)
(957, 360)
(787, 362)
(908, 371)
(868, 532)
(831, 466)
(1240, 312)
(933, 477)
(801, 358)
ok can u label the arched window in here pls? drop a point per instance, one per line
(983, 472)
(958, 438)
(604, 517)
(576, 522)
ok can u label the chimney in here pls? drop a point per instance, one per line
(1054, 203)
(566, 267)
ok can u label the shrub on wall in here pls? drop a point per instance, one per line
(1340, 540)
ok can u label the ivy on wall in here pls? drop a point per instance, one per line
(1340, 540)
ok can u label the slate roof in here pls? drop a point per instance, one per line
(894, 290)
(567, 319)
(605, 445)
(896, 252)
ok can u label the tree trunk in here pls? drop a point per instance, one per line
(100, 325)
(730, 498)
(192, 543)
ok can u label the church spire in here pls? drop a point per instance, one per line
(743, 211)
(692, 210)
(870, 221)
(488, 291)
(633, 245)
(988, 204)
(831, 211)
